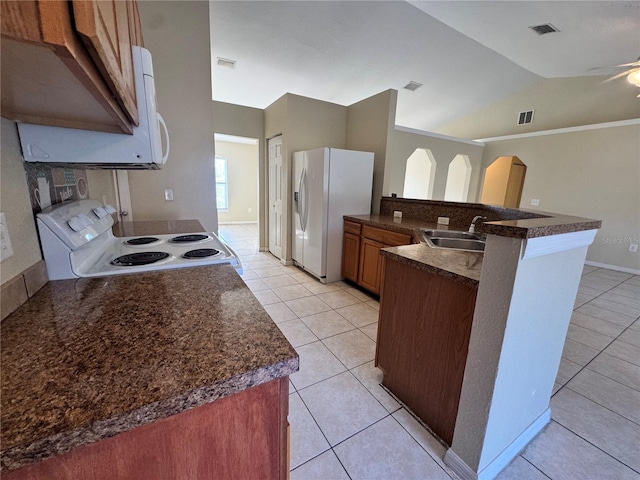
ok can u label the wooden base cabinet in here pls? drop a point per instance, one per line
(361, 260)
(423, 339)
(241, 437)
(351, 250)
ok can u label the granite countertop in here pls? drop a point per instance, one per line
(156, 227)
(461, 266)
(87, 359)
(400, 225)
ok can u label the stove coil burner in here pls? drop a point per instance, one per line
(141, 240)
(189, 238)
(201, 253)
(139, 258)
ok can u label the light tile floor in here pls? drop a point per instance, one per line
(344, 425)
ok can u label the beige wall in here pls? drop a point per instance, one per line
(16, 206)
(402, 144)
(591, 173)
(558, 103)
(242, 178)
(304, 123)
(368, 125)
(247, 122)
(101, 186)
(177, 34)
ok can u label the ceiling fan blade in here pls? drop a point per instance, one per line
(622, 74)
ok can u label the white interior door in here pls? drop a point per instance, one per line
(275, 196)
(123, 195)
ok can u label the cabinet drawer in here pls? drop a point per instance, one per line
(385, 236)
(352, 227)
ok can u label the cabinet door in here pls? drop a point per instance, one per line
(103, 26)
(48, 77)
(370, 264)
(350, 256)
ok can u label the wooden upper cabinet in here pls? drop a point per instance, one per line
(49, 76)
(103, 26)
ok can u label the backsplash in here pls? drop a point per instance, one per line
(460, 214)
(50, 185)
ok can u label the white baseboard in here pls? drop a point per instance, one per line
(252, 222)
(465, 472)
(613, 267)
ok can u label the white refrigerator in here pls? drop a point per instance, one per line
(328, 183)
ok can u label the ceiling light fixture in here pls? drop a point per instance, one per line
(634, 78)
(413, 86)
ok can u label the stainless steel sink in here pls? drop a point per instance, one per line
(458, 243)
(454, 239)
(426, 233)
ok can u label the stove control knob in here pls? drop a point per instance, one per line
(99, 212)
(109, 209)
(86, 221)
(76, 224)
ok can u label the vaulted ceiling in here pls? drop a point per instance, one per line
(466, 55)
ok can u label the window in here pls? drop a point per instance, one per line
(222, 185)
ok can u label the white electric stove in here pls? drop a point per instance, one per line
(77, 241)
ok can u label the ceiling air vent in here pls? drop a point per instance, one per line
(525, 118)
(413, 86)
(225, 62)
(544, 28)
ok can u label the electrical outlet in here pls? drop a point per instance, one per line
(443, 220)
(6, 249)
(535, 202)
(249, 210)
(397, 214)
(633, 247)
(168, 195)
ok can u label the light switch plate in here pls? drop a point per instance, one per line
(6, 248)
(397, 214)
(168, 195)
(443, 220)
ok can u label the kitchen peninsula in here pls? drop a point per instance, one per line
(175, 372)
(471, 342)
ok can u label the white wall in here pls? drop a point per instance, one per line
(242, 180)
(177, 34)
(520, 321)
(590, 173)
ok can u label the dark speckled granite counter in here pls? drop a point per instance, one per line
(87, 359)
(462, 266)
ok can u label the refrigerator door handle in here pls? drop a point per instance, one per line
(304, 204)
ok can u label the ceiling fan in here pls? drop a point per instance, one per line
(631, 71)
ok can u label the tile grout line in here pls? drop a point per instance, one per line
(602, 350)
(595, 446)
(585, 367)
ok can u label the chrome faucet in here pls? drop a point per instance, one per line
(472, 227)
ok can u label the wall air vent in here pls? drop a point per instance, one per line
(525, 118)
(544, 28)
(225, 62)
(413, 86)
